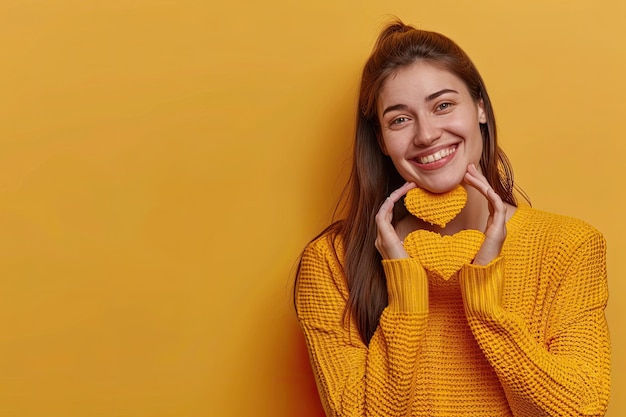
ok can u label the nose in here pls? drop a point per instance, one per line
(426, 132)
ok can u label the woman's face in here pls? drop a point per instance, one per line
(430, 126)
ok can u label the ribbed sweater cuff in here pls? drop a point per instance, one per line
(482, 287)
(407, 285)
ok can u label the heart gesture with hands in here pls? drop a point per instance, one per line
(388, 241)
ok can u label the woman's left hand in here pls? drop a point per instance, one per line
(495, 231)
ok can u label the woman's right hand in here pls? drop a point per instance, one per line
(387, 241)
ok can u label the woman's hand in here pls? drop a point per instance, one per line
(387, 241)
(495, 231)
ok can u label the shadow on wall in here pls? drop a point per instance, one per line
(305, 390)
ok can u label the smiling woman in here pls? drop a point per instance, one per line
(433, 133)
(497, 310)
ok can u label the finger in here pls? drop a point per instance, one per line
(386, 207)
(400, 192)
(383, 219)
(385, 212)
(497, 207)
(477, 180)
(387, 241)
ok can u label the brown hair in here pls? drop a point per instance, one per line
(373, 175)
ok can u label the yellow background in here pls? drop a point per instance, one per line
(162, 164)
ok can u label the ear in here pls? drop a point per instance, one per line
(482, 115)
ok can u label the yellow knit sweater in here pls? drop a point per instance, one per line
(523, 336)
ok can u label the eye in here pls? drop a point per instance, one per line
(444, 106)
(399, 120)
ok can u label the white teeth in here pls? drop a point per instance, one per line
(429, 159)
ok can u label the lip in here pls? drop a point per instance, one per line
(437, 164)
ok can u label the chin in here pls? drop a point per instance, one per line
(439, 181)
(440, 190)
(440, 187)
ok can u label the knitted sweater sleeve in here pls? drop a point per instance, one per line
(355, 379)
(567, 371)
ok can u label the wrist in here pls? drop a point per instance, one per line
(482, 287)
(407, 285)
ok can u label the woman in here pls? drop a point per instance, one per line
(497, 311)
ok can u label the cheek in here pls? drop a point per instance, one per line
(395, 151)
(476, 145)
(389, 144)
(470, 130)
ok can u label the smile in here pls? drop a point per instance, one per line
(434, 157)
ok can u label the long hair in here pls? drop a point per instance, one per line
(373, 175)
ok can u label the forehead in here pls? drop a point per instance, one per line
(419, 80)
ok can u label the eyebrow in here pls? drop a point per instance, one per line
(440, 93)
(429, 98)
(395, 107)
